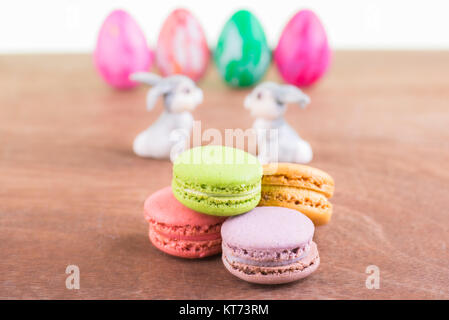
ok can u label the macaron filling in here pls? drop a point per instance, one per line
(186, 230)
(310, 183)
(238, 202)
(318, 201)
(240, 194)
(267, 255)
(216, 189)
(175, 245)
(244, 195)
(213, 200)
(192, 233)
(307, 264)
(261, 263)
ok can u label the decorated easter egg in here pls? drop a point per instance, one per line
(182, 46)
(303, 54)
(121, 50)
(242, 54)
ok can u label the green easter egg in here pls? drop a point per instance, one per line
(242, 54)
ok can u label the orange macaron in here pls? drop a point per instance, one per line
(298, 187)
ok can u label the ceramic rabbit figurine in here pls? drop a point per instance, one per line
(268, 103)
(170, 133)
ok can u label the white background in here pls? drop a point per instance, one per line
(72, 26)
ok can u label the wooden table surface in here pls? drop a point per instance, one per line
(72, 191)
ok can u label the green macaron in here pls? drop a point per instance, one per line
(217, 180)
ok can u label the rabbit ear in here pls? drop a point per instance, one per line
(291, 94)
(159, 87)
(155, 92)
(145, 77)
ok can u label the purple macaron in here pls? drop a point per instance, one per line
(269, 245)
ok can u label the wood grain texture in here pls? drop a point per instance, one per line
(72, 191)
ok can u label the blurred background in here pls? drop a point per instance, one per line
(61, 26)
(72, 190)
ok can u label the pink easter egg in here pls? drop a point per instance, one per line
(121, 50)
(182, 46)
(303, 55)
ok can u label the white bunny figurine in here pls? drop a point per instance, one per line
(268, 103)
(169, 134)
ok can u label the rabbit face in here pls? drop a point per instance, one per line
(186, 97)
(263, 104)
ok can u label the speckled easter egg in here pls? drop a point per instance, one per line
(303, 55)
(242, 54)
(182, 46)
(121, 50)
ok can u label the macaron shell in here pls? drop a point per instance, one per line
(217, 166)
(276, 275)
(268, 228)
(185, 248)
(216, 206)
(313, 204)
(298, 175)
(163, 207)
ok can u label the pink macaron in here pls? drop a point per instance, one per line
(180, 231)
(269, 245)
